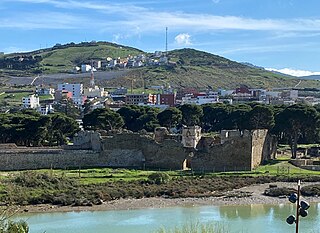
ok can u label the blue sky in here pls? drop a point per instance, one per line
(272, 33)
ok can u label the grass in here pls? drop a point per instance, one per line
(196, 228)
(62, 60)
(83, 186)
(13, 99)
(284, 167)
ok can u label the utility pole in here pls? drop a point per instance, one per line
(298, 206)
(167, 41)
(301, 210)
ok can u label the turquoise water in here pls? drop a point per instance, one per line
(247, 218)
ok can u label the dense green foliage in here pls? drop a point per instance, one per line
(139, 117)
(67, 107)
(9, 226)
(102, 119)
(29, 128)
(291, 124)
(170, 117)
(159, 178)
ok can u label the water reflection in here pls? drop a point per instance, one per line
(242, 219)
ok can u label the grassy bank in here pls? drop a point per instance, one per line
(94, 186)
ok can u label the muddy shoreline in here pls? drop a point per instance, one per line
(248, 195)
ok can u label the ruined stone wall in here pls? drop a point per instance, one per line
(28, 159)
(87, 140)
(258, 138)
(231, 155)
(270, 148)
(143, 151)
(233, 150)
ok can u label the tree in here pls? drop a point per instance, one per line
(148, 121)
(67, 107)
(170, 117)
(102, 119)
(215, 116)
(191, 114)
(60, 128)
(260, 117)
(130, 114)
(238, 118)
(139, 117)
(297, 121)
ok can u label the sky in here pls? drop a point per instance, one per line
(276, 34)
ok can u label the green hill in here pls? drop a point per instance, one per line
(200, 70)
(187, 68)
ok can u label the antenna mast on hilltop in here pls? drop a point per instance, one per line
(166, 41)
(92, 75)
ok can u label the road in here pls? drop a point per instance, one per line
(297, 84)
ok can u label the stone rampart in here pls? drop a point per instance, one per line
(230, 155)
(28, 159)
(232, 150)
(169, 154)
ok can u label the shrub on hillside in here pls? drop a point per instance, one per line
(311, 190)
(159, 178)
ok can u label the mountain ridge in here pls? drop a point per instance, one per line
(187, 68)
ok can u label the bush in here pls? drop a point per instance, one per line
(311, 190)
(277, 192)
(159, 178)
(9, 226)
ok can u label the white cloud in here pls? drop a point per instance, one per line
(147, 19)
(293, 72)
(215, 1)
(183, 39)
(49, 20)
(14, 49)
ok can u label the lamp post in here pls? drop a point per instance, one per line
(301, 209)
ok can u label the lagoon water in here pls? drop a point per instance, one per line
(237, 219)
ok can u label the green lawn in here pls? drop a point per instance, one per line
(13, 99)
(102, 175)
(283, 167)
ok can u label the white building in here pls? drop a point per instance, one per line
(46, 109)
(224, 93)
(44, 91)
(76, 90)
(211, 97)
(85, 68)
(32, 101)
(95, 92)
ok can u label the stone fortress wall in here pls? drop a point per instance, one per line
(229, 151)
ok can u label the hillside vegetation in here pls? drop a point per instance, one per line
(187, 68)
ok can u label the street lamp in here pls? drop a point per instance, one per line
(302, 207)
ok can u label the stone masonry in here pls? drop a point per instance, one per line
(229, 151)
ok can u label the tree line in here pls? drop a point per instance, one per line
(290, 124)
(29, 128)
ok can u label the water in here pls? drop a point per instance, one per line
(242, 219)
